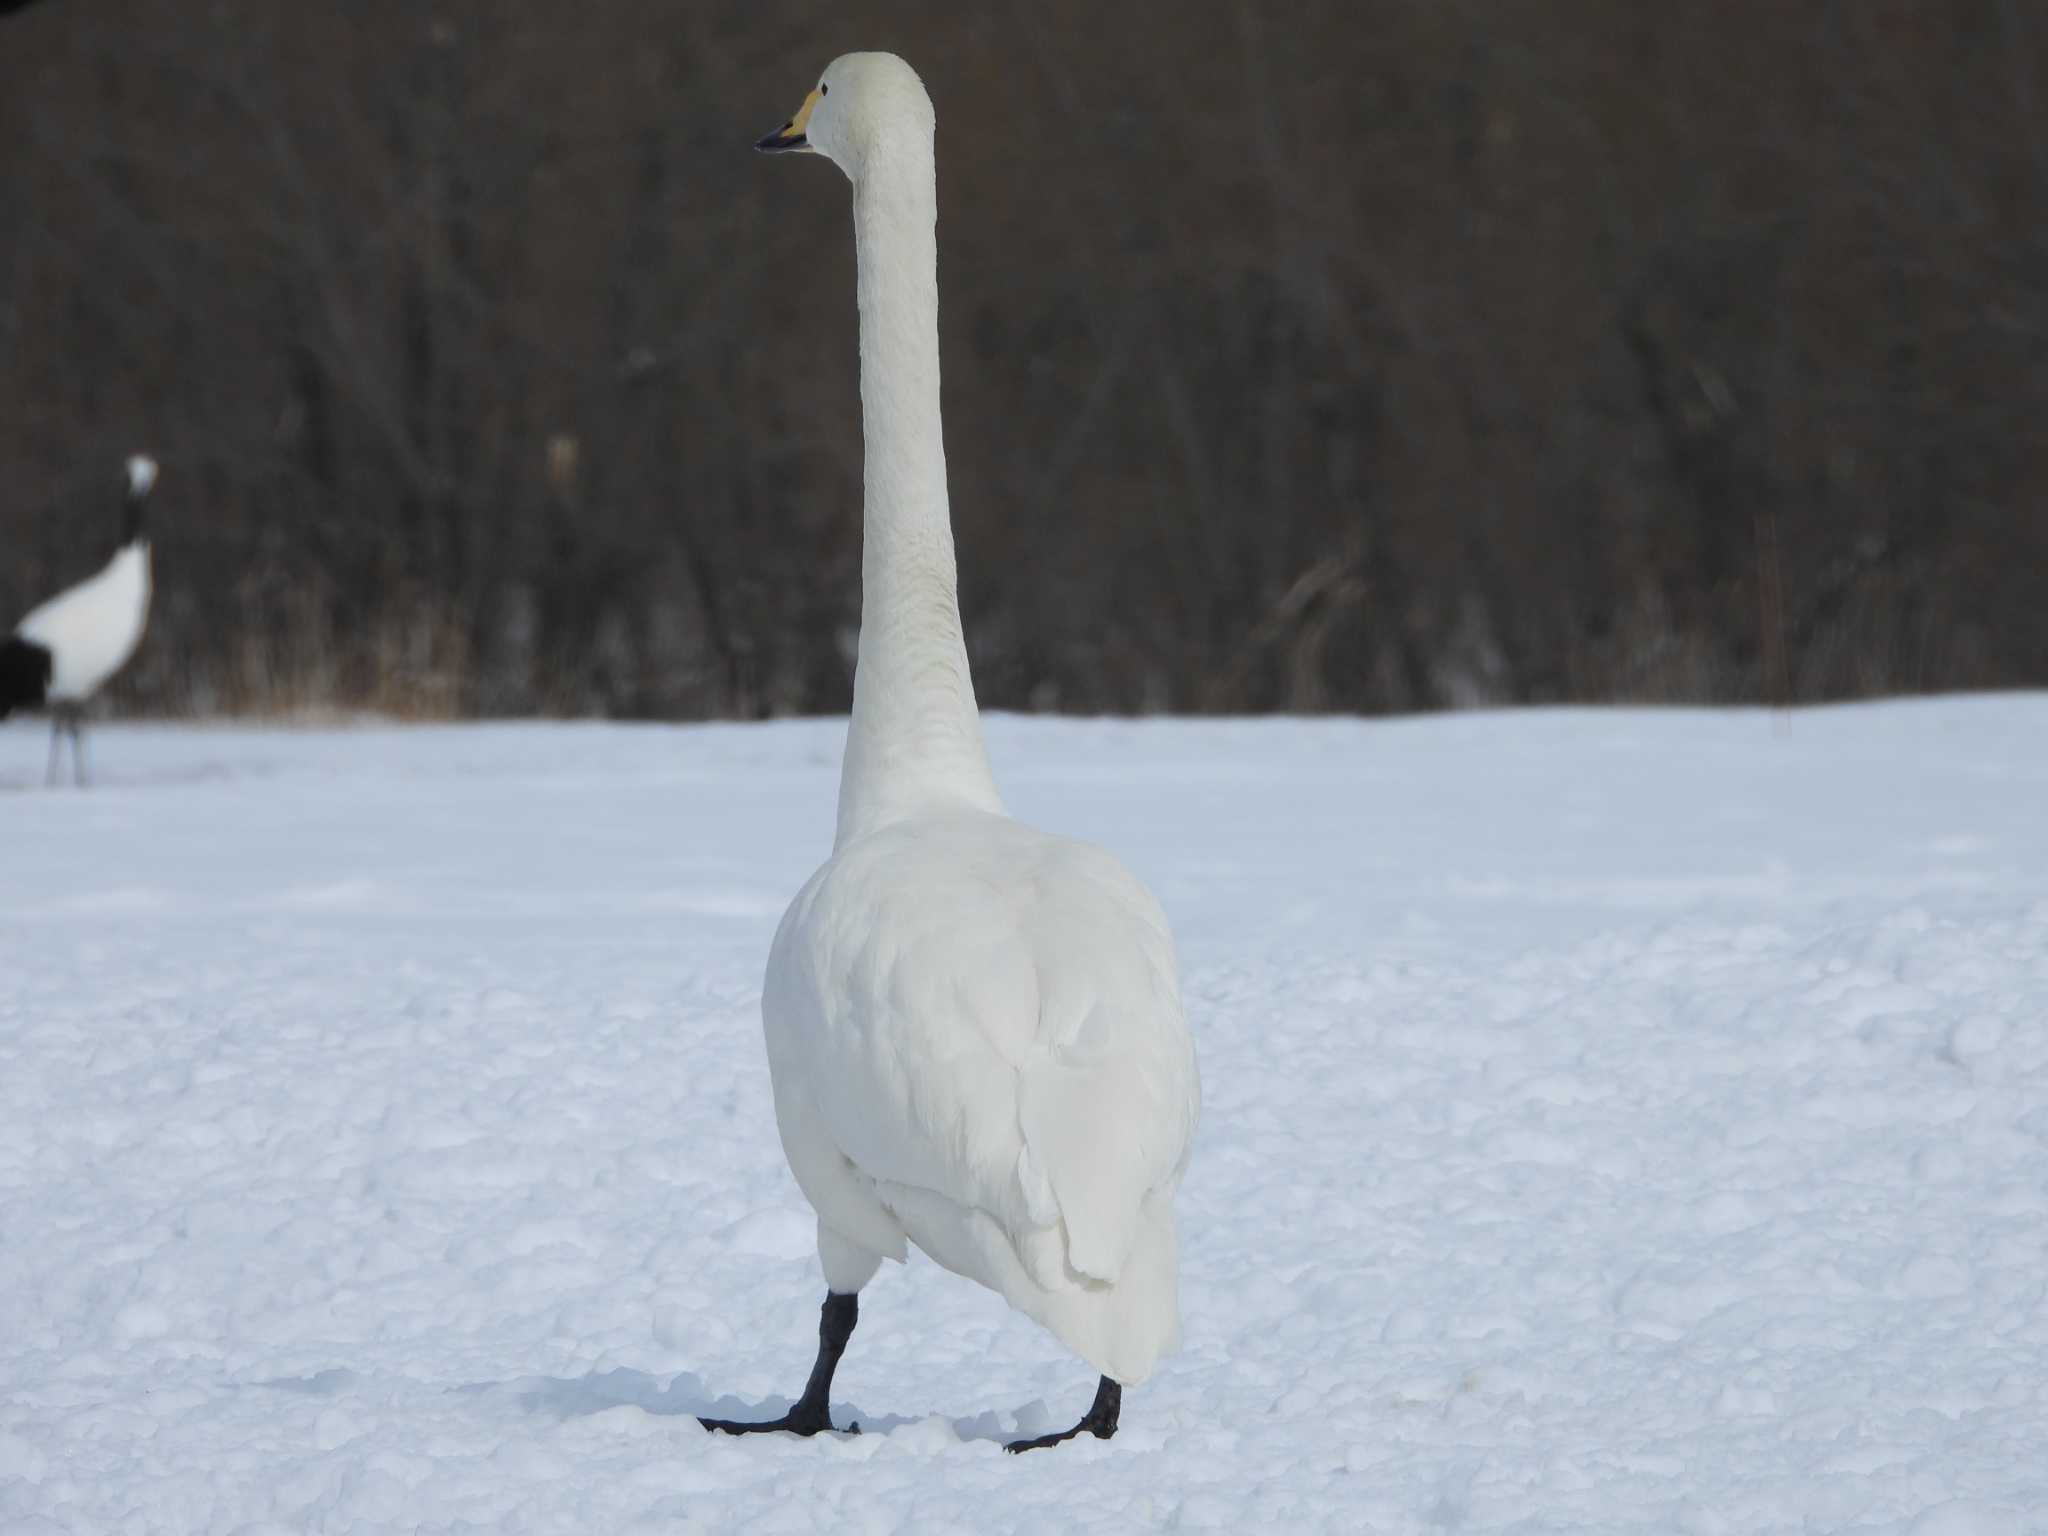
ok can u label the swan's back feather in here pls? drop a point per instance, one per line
(987, 1014)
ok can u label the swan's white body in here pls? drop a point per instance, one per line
(91, 630)
(974, 1028)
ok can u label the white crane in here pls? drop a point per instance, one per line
(66, 649)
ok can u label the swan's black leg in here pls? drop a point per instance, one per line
(1099, 1420)
(835, 1326)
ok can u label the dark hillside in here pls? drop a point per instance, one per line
(1361, 356)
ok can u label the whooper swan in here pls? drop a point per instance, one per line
(974, 1029)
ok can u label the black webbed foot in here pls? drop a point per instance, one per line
(809, 1415)
(1099, 1421)
(790, 1423)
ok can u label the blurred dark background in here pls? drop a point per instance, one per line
(1375, 355)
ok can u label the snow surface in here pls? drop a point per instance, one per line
(1614, 1121)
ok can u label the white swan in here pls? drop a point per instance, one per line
(974, 1029)
(66, 649)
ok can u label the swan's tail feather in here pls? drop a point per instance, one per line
(1089, 1137)
(1109, 1134)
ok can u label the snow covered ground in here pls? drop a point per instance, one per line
(1615, 1121)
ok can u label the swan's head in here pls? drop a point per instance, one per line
(862, 100)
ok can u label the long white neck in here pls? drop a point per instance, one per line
(915, 739)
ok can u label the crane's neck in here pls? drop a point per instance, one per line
(135, 518)
(914, 743)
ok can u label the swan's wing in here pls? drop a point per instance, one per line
(1109, 1093)
(992, 1015)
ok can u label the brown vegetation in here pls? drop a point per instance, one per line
(1371, 355)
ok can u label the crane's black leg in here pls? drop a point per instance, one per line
(78, 773)
(835, 1326)
(56, 744)
(1099, 1420)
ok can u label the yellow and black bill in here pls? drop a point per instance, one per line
(790, 137)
